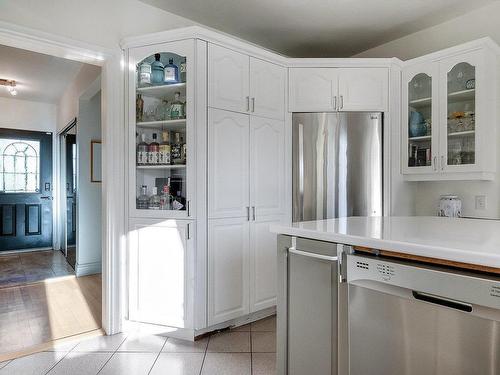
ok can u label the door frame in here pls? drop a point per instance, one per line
(113, 187)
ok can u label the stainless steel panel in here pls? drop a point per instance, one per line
(392, 335)
(312, 309)
(337, 165)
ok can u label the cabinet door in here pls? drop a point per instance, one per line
(228, 79)
(363, 89)
(267, 166)
(420, 125)
(161, 265)
(267, 89)
(312, 89)
(228, 269)
(462, 80)
(263, 258)
(228, 164)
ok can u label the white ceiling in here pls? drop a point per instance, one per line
(319, 28)
(39, 77)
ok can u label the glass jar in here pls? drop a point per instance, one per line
(177, 107)
(144, 71)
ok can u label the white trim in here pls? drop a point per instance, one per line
(34, 249)
(113, 145)
(85, 269)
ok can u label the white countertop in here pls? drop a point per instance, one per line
(472, 241)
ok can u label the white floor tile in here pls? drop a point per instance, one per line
(143, 343)
(129, 364)
(263, 364)
(178, 364)
(100, 344)
(182, 346)
(65, 346)
(81, 364)
(227, 364)
(35, 364)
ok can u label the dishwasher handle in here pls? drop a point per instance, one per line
(329, 258)
(442, 301)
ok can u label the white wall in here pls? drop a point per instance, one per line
(473, 25)
(27, 115)
(476, 24)
(89, 250)
(100, 22)
(68, 104)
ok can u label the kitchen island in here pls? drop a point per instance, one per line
(377, 295)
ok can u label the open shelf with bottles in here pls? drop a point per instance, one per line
(160, 123)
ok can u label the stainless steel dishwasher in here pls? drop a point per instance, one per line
(409, 318)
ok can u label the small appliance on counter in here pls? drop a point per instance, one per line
(450, 206)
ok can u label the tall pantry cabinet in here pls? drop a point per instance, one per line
(246, 181)
(206, 178)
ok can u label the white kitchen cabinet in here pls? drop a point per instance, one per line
(312, 89)
(338, 89)
(228, 269)
(228, 79)
(267, 89)
(362, 89)
(161, 272)
(455, 138)
(228, 164)
(241, 83)
(267, 166)
(263, 263)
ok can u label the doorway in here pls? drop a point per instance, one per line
(68, 169)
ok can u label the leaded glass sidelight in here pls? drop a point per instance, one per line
(19, 166)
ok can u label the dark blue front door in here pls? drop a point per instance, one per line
(25, 189)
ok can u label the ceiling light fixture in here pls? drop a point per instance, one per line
(10, 84)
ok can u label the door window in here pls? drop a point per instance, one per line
(19, 166)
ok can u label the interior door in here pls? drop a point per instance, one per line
(267, 89)
(267, 166)
(228, 164)
(70, 158)
(25, 189)
(228, 79)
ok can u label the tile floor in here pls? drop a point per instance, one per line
(247, 350)
(22, 268)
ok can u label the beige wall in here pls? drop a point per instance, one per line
(68, 105)
(476, 24)
(100, 22)
(27, 115)
(479, 23)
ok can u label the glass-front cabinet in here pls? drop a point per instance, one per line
(160, 130)
(420, 111)
(449, 112)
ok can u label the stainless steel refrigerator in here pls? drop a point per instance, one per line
(337, 165)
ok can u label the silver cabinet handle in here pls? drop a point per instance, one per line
(293, 250)
(335, 102)
(248, 213)
(187, 208)
(47, 198)
(435, 163)
(253, 212)
(188, 232)
(442, 162)
(248, 104)
(253, 104)
(341, 101)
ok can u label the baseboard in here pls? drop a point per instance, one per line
(31, 250)
(88, 268)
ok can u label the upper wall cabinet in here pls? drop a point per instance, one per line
(338, 89)
(449, 107)
(240, 83)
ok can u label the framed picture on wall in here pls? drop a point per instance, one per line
(95, 161)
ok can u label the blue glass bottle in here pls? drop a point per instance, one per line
(157, 70)
(171, 72)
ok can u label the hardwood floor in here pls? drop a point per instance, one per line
(23, 268)
(53, 309)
